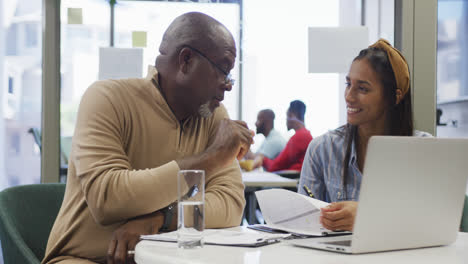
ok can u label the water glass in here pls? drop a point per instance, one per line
(191, 208)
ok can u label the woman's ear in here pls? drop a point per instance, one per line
(398, 96)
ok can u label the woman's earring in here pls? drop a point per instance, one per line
(398, 96)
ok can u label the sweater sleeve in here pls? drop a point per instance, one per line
(224, 198)
(112, 189)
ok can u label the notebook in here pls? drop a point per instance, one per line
(412, 194)
(223, 237)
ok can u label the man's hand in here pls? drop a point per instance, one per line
(339, 216)
(232, 141)
(258, 161)
(127, 236)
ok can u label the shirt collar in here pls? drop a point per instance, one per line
(271, 133)
(152, 72)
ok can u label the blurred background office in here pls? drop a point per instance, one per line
(271, 68)
(52, 50)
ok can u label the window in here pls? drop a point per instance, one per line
(31, 35)
(80, 45)
(21, 91)
(450, 49)
(452, 64)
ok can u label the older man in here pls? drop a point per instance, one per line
(132, 137)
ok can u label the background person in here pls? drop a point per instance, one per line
(273, 144)
(292, 156)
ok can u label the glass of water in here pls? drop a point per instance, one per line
(191, 211)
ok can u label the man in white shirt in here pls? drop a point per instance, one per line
(274, 143)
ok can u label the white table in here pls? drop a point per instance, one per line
(283, 253)
(266, 179)
(256, 180)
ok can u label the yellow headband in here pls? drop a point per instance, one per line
(398, 63)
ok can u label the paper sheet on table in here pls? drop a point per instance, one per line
(291, 212)
(224, 237)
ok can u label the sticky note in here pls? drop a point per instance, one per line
(139, 39)
(75, 16)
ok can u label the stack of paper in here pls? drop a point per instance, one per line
(225, 238)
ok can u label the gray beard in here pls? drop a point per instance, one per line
(204, 110)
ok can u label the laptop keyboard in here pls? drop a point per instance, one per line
(339, 243)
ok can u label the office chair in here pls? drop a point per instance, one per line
(464, 220)
(27, 214)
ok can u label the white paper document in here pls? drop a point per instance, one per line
(292, 212)
(225, 237)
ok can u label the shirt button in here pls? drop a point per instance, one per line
(339, 195)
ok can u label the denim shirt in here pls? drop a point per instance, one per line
(323, 167)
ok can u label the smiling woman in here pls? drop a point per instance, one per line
(378, 100)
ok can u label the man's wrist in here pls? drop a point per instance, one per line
(205, 161)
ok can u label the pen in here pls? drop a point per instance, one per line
(307, 190)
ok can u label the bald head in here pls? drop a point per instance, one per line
(197, 30)
(268, 114)
(265, 121)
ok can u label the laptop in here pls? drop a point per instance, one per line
(412, 195)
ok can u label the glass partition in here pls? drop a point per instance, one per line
(452, 66)
(20, 91)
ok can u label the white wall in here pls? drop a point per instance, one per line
(275, 63)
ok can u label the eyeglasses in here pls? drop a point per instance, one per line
(228, 80)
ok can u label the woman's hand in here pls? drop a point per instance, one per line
(339, 216)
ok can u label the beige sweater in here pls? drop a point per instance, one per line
(122, 165)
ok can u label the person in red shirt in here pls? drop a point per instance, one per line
(292, 156)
